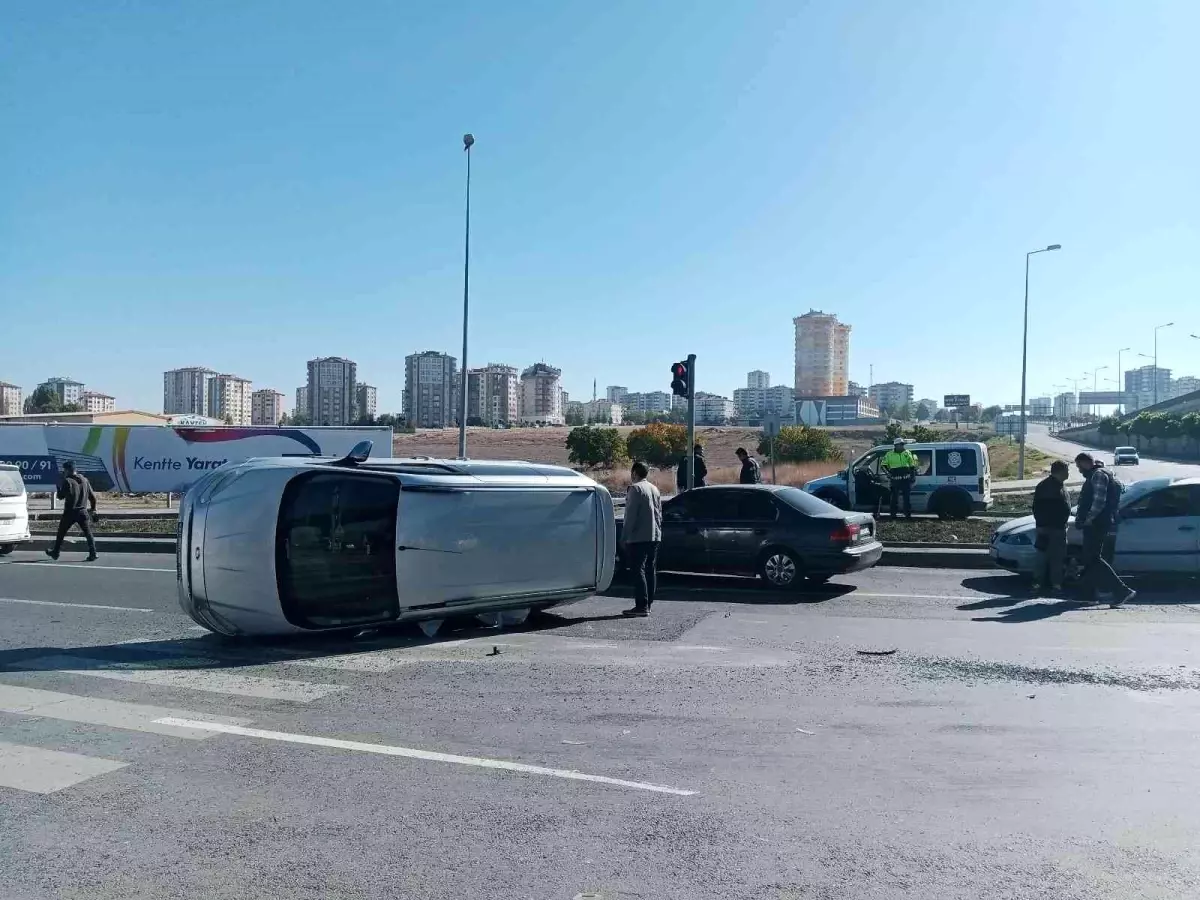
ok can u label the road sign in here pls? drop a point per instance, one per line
(771, 425)
(955, 401)
(1101, 398)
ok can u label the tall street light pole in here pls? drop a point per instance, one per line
(1156, 330)
(1025, 358)
(468, 141)
(1120, 376)
(1096, 382)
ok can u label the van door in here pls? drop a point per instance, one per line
(14, 509)
(1160, 532)
(925, 483)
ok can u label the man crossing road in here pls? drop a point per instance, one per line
(79, 508)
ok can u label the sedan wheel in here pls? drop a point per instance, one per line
(780, 569)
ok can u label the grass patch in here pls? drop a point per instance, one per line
(1004, 454)
(112, 526)
(968, 531)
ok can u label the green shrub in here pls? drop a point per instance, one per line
(591, 446)
(659, 444)
(799, 443)
(893, 431)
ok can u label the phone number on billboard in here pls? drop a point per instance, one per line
(34, 469)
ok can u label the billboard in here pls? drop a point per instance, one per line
(954, 401)
(145, 459)
(1102, 398)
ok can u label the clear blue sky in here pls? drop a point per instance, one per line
(247, 185)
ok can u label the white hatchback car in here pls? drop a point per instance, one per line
(14, 509)
(1157, 532)
(1126, 456)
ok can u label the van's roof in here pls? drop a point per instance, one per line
(430, 469)
(939, 445)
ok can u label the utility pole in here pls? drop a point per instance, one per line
(468, 141)
(691, 421)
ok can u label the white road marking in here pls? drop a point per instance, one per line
(189, 674)
(46, 771)
(410, 753)
(75, 605)
(97, 711)
(93, 567)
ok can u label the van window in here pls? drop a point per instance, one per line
(924, 461)
(958, 461)
(11, 484)
(335, 556)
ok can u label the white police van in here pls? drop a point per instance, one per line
(953, 480)
(14, 509)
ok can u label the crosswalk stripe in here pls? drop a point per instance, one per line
(189, 674)
(40, 771)
(97, 711)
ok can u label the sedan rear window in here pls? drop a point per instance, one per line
(11, 484)
(805, 502)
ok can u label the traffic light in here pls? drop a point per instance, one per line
(680, 379)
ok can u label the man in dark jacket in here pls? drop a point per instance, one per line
(1051, 514)
(79, 506)
(700, 474)
(1098, 504)
(750, 474)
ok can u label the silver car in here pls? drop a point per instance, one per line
(1157, 532)
(303, 544)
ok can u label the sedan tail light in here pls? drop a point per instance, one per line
(846, 533)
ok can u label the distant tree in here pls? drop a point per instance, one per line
(903, 412)
(590, 446)
(989, 413)
(923, 435)
(800, 443)
(574, 418)
(659, 444)
(228, 420)
(301, 419)
(942, 415)
(924, 413)
(43, 400)
(365, 420)
(893, 431)
(1109, 425)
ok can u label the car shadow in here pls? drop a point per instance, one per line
(739, 589)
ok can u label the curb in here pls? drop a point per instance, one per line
(954, 556)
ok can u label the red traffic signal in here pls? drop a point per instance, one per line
(680, 379)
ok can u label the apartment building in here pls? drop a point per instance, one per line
(332, 390)
(185, 391)
(1146, 386)
(822, 355)
(713, 410)
(890, 394)
(494, 395)
(1066, 406)
(301, 407)
(229, 399)
(1041, 407)
(541, 395)
(602, 412)
(266, 407)
(854, 389)
(96, 402)
(367, 401)
(1186, 384)
(430, 398)
(11, 402)
(758, 380)
(754, 403)
(649, 402)
(615, 393)
(67, 390)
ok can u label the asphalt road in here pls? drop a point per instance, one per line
(1040, 438)
(739, 744)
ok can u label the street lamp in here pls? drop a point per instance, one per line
(1096, 383)
(1025, 357)
(468, 141)
(1120, 374)
(1156, 330)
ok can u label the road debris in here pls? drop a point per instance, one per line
(876, 652)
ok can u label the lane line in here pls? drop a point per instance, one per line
(51, 564)
(190, 674)
(40, 771)
(411, 753)
(76, 605)
(97, 711)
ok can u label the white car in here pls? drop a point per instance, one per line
(1157, 532)
(1126, 456)
(304, 544)
(14, 509)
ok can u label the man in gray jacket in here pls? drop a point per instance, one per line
(1094, 516)
(641, 533)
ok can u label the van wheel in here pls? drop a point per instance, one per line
(6, 549)
(780, 568)
(951, 505)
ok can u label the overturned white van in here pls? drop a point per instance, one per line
(304, 544)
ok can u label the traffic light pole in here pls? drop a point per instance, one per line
(691, 422)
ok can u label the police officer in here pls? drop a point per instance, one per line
(79, 508)
(901, 467)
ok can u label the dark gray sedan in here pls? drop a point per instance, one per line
(781, 533)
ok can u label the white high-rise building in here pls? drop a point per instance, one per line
(11, 403)
(758, 380)
(1146, 386)
(822, 355)
(494, 395)
(367, 403)
(541, 395)
(712, 409)
(430, 398)
(229, 399)
(185, 391)
(96, 402)
(301, 408)
(68, 391)
(615, 393)
(266, 407)
(648, 402)
(1185, 384)
(754, 403)
(332, 390)
(1066, 406)
(890, 394)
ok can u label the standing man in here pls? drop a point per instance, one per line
(901, 467)
(1051, 513)
(79, 506)
(751, 474)
(701, 469)
(1098, 503)
(641, 533)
